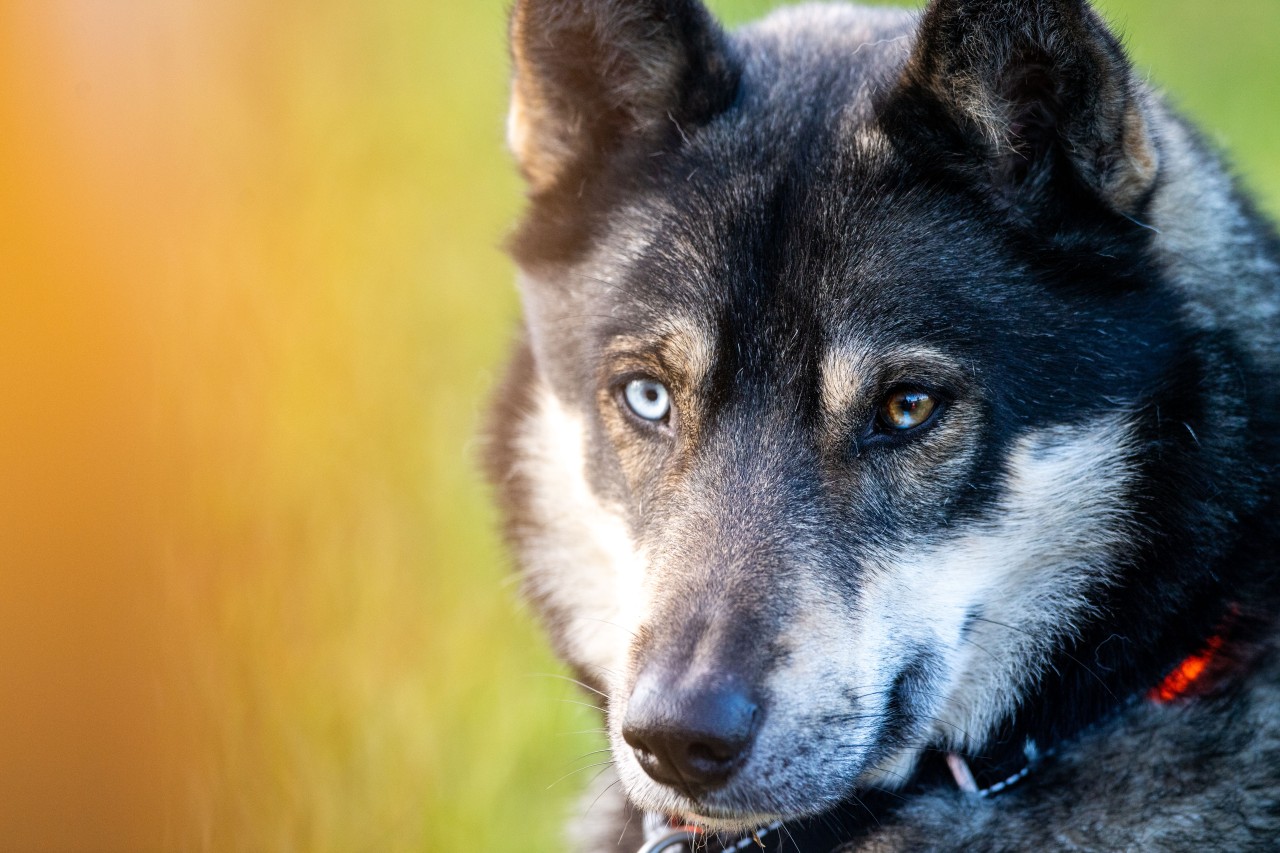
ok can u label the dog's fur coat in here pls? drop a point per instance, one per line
(742, 251)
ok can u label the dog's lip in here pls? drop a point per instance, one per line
(727, 820)
(710, 815)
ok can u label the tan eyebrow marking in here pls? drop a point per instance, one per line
(847, 372)
(679, 344)
(844, 372)
(688, 346)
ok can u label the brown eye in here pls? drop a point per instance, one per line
(907, 408)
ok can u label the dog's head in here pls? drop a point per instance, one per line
(844, 339)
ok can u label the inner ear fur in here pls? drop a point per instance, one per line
(591, 75)
(1041, 85)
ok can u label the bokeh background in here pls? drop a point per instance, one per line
(251, 303)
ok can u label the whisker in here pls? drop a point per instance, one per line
(621, 835)
(581, 684)
(603, 764)
(980, 648)
(1077, 660)
(585, 755)
(608, 788)
(633, 634)
(582, 704)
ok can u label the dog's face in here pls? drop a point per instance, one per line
(841, 335)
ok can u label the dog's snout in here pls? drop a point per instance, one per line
(691, 736)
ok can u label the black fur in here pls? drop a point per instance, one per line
(991, 181)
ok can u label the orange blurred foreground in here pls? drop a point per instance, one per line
(93, 209)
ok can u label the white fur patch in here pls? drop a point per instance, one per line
(517, 127)
(578, 553)
(1030, 572)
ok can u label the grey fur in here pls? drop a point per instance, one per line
(1198, 777)
(784, 226)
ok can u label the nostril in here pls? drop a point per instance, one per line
(645, 745)
(633, 735)
(709, 765)
(710, 756)
(638, 738)
(650, 764)
(692, 738)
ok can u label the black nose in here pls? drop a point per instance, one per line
(691, 736)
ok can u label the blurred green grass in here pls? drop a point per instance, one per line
(368, 677)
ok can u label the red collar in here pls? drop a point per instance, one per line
(1188, 677)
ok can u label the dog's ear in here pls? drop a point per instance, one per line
(1043, 93)
(592, 75)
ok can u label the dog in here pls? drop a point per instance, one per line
(891, 442)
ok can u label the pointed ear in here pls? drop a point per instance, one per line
(590, 75)
(1045, 91)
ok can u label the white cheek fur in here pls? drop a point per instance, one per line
(578, 556)
(1029, 572)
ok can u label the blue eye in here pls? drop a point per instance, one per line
(647, 399)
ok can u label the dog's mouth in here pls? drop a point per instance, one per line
(715, 820)
(741, 810)
(720, 751)
(747, 805)
(707, 818)
(777, 779)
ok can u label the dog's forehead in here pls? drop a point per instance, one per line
(828, 255)
(792, 232)
(795, 213)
